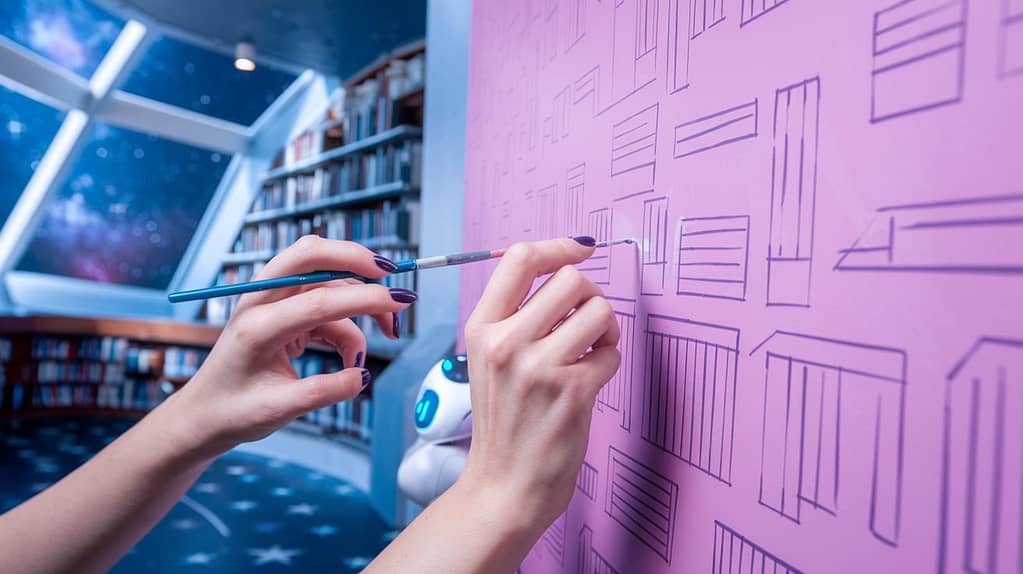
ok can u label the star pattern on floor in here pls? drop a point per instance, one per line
(304, 509)
(273, 555)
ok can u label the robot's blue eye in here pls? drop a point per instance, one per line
(447, 365)
(426, 408)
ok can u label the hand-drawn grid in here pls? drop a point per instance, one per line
(591, 561)
(554, 539)
(598, 266)
(1010, 40)
(575, 198)
(634, 154)
(961, 235)
(981, 515)
(633, 47)
(715, 130)
(753, 9)
(585, 88)
(688, 404)
(654, 246)
(793, 194)
(678, 45)
(586, 481)
(919, 53)
(547, 208)
(706, 15)
(806, 378)
(736, 554)
(616, 395)
(556, 125)
(713, 256)
(642, 501)
(576, 22)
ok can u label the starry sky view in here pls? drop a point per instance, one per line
(26, 128)
(131, 202)
(127, 211)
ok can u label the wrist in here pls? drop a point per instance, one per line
(192, 439)
(506, 511)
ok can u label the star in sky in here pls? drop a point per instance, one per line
(207, 487)
(274, 554)
(281, 491)
(323, 530)
(243, 505)
(184, 524)
(304, 509)
(199, 558)
(235, 470)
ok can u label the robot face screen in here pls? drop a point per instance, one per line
(456, 369)
(426, 408)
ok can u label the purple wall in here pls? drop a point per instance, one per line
(823, 325)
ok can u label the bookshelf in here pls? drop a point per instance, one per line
(352, 174)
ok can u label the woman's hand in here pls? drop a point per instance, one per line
(535, 368)
(246, 388)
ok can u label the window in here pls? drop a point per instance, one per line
(26, 128)
(73, 34)
(206, 82)
(127, 211)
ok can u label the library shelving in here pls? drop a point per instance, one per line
(352, 174)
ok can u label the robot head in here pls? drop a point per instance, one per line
(443, 412)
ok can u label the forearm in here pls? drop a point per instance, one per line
(88, 520)
(465, 531)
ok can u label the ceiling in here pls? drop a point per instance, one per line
(331, 36)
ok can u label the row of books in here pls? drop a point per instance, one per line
(353, 417)
(6, 349)
(130, 394)
(107, 349)
(182, 361)
(388, 223)
(52, 371)
(399, 162)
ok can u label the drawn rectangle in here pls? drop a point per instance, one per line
(736, 554)
(715, 130)
(753, 9)
(586, 481)
(957, 235)
(688, 406)
(554, 539)
(706, 15)
(616, 395)
(713, 257)
(793, 194)
(1010, 56)
(642, 501)
(576, 22)
(547, 209)
(575, 188)
(598, 266)
(918, 52)
(590, 560)
(678, 45)
(654, 246)
(633, 47)
(585, 88)
(634, 142)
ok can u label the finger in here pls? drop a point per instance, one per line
(520, 266)
(592, 325)
(318, 391)
(292, 349)
(596, 368)
(276, 294)
(567, 289)
(275, 323)
(346, 338)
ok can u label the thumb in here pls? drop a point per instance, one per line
(318, 391)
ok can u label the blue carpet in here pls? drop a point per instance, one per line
(246, 512)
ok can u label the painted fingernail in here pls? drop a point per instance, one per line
(396, 327)
(366, 377)
(403, 295)
(358, 359)
(585, 240)
(385, 263)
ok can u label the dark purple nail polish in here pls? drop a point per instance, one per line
(396, 326)
(585, 240)
(366, 377)
(358, 359)
(403, 295)
(385, 263)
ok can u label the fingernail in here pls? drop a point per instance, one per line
(585, 240)
(366, 377)
(358, 359)
(403, 295)
(396, 327)
(385, 263)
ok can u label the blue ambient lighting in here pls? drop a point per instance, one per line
(426, 408)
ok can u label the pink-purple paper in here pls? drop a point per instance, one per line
(822, 326)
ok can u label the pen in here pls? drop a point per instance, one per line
(321, 276)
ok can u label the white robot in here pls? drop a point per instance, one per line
(443, 417)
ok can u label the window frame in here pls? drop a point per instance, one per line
(99, 99)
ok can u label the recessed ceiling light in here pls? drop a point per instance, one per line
(245, 56)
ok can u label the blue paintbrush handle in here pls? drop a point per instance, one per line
(262, 285)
